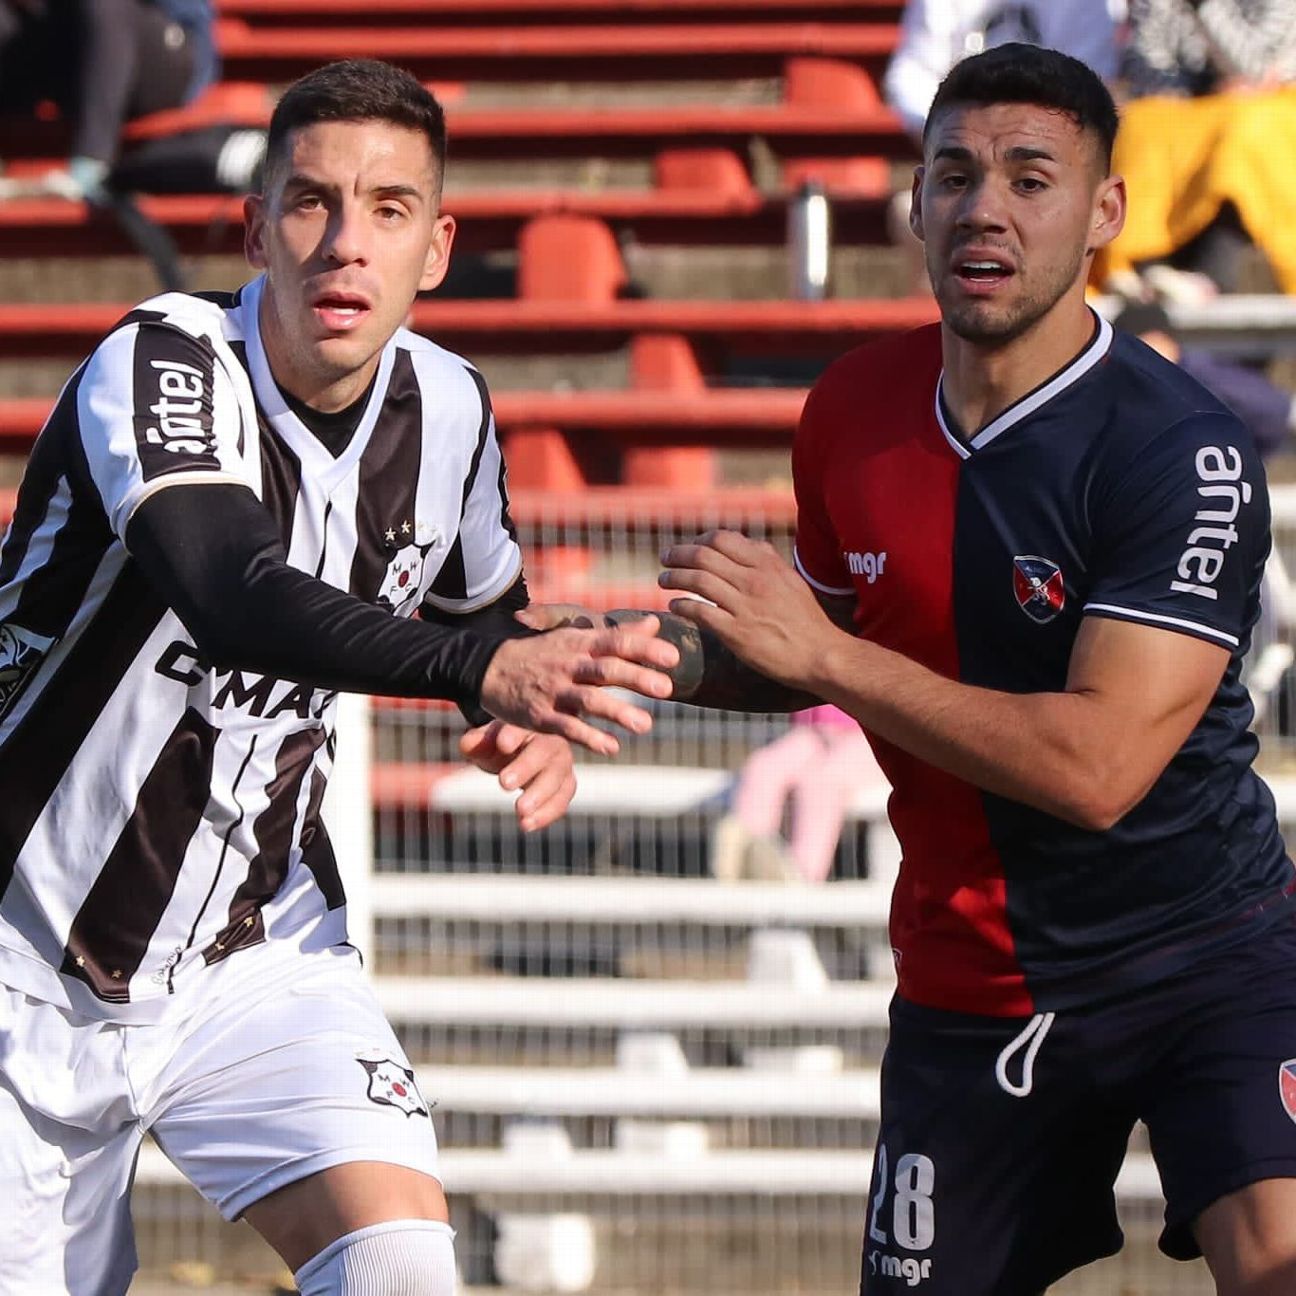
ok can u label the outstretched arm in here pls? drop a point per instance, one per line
(710, 673)
(213, 554)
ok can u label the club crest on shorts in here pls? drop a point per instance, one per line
(392, 1085)
(1287, 1086)
(1038, 587)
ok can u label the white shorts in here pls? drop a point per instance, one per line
(287, 1067)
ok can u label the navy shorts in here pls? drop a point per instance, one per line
(1001, 1138)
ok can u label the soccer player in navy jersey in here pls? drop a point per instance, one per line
(1028, 559)
(234, 511)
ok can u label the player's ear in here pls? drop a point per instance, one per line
(1108, 212)
(915, 203)
(254, 231)
(438, 254)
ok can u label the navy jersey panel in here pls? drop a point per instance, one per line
(1121, 489)
(1132, 494)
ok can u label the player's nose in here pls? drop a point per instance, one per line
(345, 235)
(983, 208)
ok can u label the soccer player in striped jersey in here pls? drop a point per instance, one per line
(232, 513)
(1029, 563)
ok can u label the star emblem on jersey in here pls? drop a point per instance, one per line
(1038, 587)
(392, 1085)
(1287, 1086)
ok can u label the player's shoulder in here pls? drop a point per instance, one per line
(893, 376)
(460, 390)
(912, 358)
(186, 333)
(202, 315)
(1154, 402)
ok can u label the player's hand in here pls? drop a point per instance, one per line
(552, 682)
(686, 676)
(756, 604)
(539, 764)
(555, 616)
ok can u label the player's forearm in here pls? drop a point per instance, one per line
(1053, 751)
(729, 684)
(213, 553)
(496, 621)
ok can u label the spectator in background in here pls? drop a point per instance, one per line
(1268, 410)
(104, 63)
(818, 765)
(1206, 146)
(936, 34)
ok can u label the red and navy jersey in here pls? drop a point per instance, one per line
(1118, 488)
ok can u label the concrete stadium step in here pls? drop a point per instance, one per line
(613, 1174)
(627, 1004)
(609, 901)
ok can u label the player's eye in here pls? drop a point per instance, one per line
(390, 214)
(307, 202)
(1032, 184)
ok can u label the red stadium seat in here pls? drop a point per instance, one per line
(621, 12)
(509, 326)
(736, 417)
(606, 51)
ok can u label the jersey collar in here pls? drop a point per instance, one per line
(296, 435)
(1094, 350)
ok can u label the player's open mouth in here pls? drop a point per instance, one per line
(982, 274)
(339, 312)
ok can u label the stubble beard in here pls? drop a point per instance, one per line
(989, 323)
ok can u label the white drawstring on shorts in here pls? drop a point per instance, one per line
(1032, 1036)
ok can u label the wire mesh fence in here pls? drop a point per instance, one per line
(649, 1081)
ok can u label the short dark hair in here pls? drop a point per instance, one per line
(357, 90)
(1029, 74)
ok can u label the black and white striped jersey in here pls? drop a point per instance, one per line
(160, 811)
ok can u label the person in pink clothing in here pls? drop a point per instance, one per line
(819, 765)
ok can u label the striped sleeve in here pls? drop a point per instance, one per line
(1182, 541)
(156, 407)
(485, 559)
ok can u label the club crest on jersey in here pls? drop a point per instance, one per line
(21, 652)
(1038, 586)
(392, 1085)
(403, 576)
(1287, 1086)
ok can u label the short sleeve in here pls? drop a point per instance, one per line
(155, 407)
(818, 554)
(1181, 541)
(485, 559)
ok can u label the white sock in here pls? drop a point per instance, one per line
(413, 1257)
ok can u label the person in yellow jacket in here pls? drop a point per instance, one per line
(1208, 132)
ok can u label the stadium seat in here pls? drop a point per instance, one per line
(349, 12)
(631, 417)
(529, 327)
(600, 52)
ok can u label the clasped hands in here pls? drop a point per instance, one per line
(739, 590)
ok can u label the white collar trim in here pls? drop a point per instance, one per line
(300, 440)
(1033, 400)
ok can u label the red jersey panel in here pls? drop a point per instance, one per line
(868, 435)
